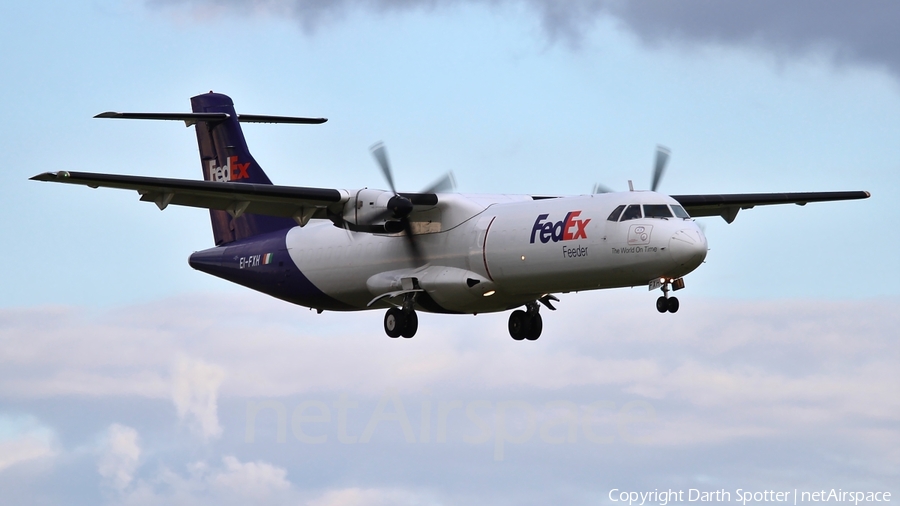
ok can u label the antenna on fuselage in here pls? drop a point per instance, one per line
(630, 186)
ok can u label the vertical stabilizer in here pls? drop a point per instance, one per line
(224, 157)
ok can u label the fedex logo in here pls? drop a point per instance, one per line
(567, 229)
(232, 171)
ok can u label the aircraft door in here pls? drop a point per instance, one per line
(476, 258)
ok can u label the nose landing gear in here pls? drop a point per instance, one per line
(526, 324)
(669, 304)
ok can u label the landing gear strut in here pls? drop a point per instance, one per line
(401, 321)
(669, 304)
(526, 324)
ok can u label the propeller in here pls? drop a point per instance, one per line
(380, 153)
(662, 158)
(659, 167)
(401, 206)
(445, 184)
(601, 188)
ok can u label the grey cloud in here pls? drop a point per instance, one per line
(854, 31)
(234, 482)
(765, 365)
(119, 460)
(195, 390)
(850, 32)
(24, 439)
(765, 381)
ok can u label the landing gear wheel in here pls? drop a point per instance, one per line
(519, 325)
(662, 304)
(395, 322)
(412, 325)
(536, 325)
(672, 305)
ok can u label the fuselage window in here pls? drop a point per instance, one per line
(680, 212)
(632, 212)
(657, 211)
(614, 216)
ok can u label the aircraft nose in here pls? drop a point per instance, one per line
(688, 248)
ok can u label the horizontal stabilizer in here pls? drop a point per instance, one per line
(262, 118)
(191, 118)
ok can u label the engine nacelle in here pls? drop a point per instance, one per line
(370, 207)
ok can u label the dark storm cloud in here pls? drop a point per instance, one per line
(863, 32)
(851, 32)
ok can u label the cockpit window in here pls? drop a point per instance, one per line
(680, 212)
(614, 216)
(632, 212)
(657, 211)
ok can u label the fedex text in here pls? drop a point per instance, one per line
(567, 229)
(231, 171)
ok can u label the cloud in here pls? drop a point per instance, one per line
(790, 378)
(23, 439)
(195, 388)
(356, 496)
(849, 32)
(235, 482)
(768, 356)
(79, 356)
(255, 479)
(119, 457)
(855, 31)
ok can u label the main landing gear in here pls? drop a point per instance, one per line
(526, 324)
(666, 304)
(402, 321)
(398, 322)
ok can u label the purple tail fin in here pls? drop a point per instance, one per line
(225, 157)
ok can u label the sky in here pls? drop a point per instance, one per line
(128, 378)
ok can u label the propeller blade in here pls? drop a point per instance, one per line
(411, 243)
(400, 206)
(602, 188)
(380, 153)
(442, 185)
(662, 157)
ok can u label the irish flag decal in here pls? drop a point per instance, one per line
(267, 258)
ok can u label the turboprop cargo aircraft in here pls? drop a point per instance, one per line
(435, 251)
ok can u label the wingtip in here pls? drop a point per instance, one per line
(49, 176)
(44, 176)
(108, 114)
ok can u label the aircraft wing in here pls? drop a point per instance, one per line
(236, 198)
(728, 205)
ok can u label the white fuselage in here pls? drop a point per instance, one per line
(487, 253)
